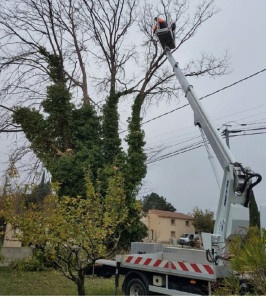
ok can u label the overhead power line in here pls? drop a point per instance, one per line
(245, 134)
(200, 144)
(185, 140)
(236, 82)
(208, 95)
(166, 139)
(177, 152)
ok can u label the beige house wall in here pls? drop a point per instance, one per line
(166, 229)
(9, 240)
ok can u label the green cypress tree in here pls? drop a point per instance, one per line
(254, 214)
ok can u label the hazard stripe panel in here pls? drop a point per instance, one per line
(173, 265)
(137, 261)
(196, 268)
(208, 269)
(183, 266)
(129, 259)
(157, 263)
(147, 261)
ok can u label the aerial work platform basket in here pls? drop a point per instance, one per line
(166, 35)
(166, 38)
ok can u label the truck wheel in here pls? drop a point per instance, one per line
(136, 287)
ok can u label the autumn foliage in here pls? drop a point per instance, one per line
(75, 232)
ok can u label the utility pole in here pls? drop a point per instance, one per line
(226, 131)
(226, 134)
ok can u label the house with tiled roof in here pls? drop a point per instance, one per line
(166, 226)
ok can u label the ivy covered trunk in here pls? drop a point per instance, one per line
(70, 141)
(110, 125)
(136, 158)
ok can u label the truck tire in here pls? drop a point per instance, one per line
(136, 287)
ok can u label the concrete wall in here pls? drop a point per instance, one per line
(12, 249)
(14, 253)
(164, 229)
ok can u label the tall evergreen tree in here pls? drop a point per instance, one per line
(254, 214)
(154, 201)
(39, 192)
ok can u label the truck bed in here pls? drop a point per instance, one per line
(169, 263)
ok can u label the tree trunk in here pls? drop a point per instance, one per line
(80, 284)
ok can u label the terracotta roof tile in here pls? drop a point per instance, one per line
(169, 214)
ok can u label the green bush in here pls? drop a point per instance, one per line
(248, 262)
(38, 261)
(27, 264)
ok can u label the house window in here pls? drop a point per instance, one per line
(187, 223)
(172, 234)
(172, 221)
(152, 234)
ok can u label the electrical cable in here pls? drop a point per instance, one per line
(208, 95)
(235, 83)
(190, 127)
(165, 140)
(213, 259)
(210, 256)
(190, 148)
(174, 153)
(180, 149)
(259, 178)
(162, 115)
(249, 129)
(256, 133)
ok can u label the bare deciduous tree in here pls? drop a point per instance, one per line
(107, 45)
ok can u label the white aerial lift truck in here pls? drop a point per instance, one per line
(150, 268)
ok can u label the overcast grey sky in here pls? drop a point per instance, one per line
(187, 180)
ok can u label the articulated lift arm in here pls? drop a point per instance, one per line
(232, 215)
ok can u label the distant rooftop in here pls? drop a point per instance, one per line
(169, 214)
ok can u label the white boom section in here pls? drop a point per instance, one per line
(231, 216)
(218, 145)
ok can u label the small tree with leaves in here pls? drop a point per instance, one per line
(75, 231)
(203, 221)
(247, 261)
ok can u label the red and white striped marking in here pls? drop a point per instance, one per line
(171, 265)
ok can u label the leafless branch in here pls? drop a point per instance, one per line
(105, 47)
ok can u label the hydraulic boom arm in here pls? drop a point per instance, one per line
(232, 214)
(222, 152)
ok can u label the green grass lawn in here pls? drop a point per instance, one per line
(52, 283)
